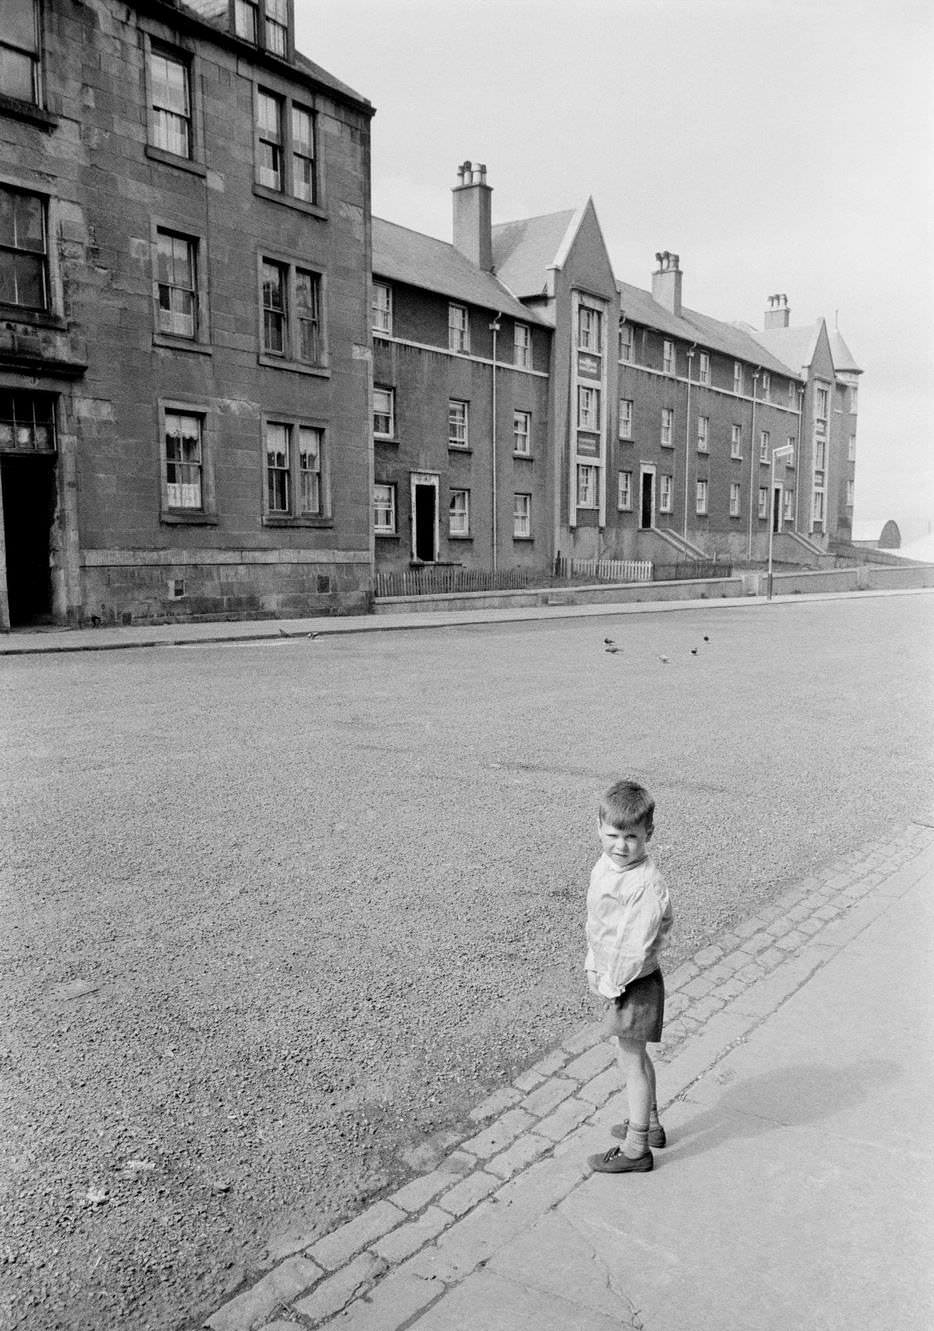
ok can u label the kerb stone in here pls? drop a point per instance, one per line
(335, 1249)
(253, 1305)
(338, 1290)
(549, 1096)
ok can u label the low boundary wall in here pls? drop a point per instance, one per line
(753, 583)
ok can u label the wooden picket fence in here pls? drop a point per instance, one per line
(437, 579)
(605, 570)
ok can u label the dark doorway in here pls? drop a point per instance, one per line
(28, 508)
(426, 517)
(647, 505)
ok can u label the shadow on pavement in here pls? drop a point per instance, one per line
(790, 1097)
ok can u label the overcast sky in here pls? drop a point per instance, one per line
(776, 145)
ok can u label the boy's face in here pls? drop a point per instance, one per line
(625, 846)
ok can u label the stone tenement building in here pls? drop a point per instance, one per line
(184, 315)
(225, 390)
(597, 419)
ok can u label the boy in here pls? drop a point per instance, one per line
(628, 920)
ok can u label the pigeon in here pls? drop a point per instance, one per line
(706, 639)
(664, 660)
(693, 651)
(609, 642)
(611, 650)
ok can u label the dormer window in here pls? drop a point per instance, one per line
(265, 23)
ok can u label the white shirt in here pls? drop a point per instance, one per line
(629, 917)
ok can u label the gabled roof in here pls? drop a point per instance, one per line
(843, 358)
(422, 261)
(795, 345)
(731, 339)
(524, 250)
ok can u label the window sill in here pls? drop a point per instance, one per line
(523, 457)
(175, 519)
(271, 520)
(182, 344)
(386, 535)
(525, 540)
(454, 537)
(174, 159)
(296, 366)
(19, 110)
(624, 510)
(664, 445)
(290, 201)
(13, 314)
(625, 439)
(386, 439)
(459, 448)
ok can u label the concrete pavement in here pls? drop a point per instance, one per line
(797, 1190)
(54, 640)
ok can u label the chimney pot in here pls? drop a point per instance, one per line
(666, 281)
(778, 313)
(473, 224)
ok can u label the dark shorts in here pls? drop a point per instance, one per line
(639, 1011)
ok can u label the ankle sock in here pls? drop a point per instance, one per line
(637, 1141)
(653, 1117)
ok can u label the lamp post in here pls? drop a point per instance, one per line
(494, 329)
(786, 451)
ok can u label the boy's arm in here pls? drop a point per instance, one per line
(643, 931)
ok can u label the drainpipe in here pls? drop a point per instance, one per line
(798, 454)
(687, 443)
(494, 329)
(753, 462)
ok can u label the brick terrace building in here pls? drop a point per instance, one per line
(460, 400)
(184, 339)
(636, 429)
(826, 473)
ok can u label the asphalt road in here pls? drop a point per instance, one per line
(278, 915)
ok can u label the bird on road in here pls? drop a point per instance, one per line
(664, 660)
(693, 651)
(609, 642)
(706, 639)
(611, 649)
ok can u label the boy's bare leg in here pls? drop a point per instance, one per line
(639, 1075)
(653, 1102)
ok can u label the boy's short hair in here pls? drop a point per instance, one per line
(627, 804)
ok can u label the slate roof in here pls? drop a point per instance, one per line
(843, 358)
(215, 13)
(402, 255)
(795, 345)
(713, 334)
(524, 250)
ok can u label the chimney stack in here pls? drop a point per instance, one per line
(666, 282)
(473, 227)
(778, 313)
